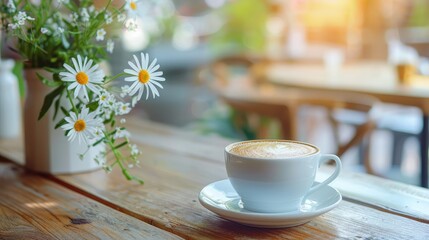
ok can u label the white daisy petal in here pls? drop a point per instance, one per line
(133, 66)
(73, 85)
(153, 69)
(79, 62)
(139, 96)
(87, 65)
(76, 66)
(152, 65)
(135, 84)
(129, 79)
(135, 89)
(147, 93)
(129, 71)
(153, 89)
(147, 61)
(93, 88)
(157, 84)
(70, 69)
(156, 74)
(160, 79)
(77, 90)
(137, 61)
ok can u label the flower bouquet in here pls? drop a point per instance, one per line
(68, 39)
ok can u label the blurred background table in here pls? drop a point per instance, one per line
(377, 79)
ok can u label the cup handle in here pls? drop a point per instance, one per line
(324, 158)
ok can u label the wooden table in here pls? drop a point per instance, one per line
(373, 78)
(176, 165)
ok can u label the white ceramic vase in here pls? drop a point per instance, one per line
(10, 103)
(47, 149)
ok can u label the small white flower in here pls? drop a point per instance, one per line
(100, 34)
(124, 91)
(104, 98)
(122, 17)
(122, 108)
(60, 30)
(123, 120)
(91, 8)
(99, 131)
(10, 6)
(121, 133)
(12, 26)
(74, 17)
(131, 25)
(134, 150)
(44, 31)
(110, 45)
(108, 18)
(84, 15)
(81, 126)
(82, 76)
(21, 17)
(144, 76)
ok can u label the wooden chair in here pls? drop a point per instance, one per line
(242, 91)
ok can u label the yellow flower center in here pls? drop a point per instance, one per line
(79, 125)
(82, 78)
(133, 5)
(144, 76)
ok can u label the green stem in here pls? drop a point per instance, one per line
(109, 79)
(118, 157)
(71, 102)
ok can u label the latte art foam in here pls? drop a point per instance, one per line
(272, 149)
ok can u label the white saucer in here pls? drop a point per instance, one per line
(221, 198)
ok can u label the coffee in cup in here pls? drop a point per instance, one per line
(272, 149)
(275, 175)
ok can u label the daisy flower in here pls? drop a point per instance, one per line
(82, 76)
(83, 126)
(144, 76)
(133, 8)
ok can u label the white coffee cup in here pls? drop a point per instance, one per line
(278, 177)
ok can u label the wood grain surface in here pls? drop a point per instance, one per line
(32, 207)
(176, 165)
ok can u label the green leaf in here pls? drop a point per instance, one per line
(56, 106)
(60, 123)
(121, 145)
(65, 112)
(48, 82)
(92, 106)
(53, 70)
(49, 99)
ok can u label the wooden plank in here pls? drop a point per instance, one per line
(176, 165)
(389, 195)
(32, 207)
